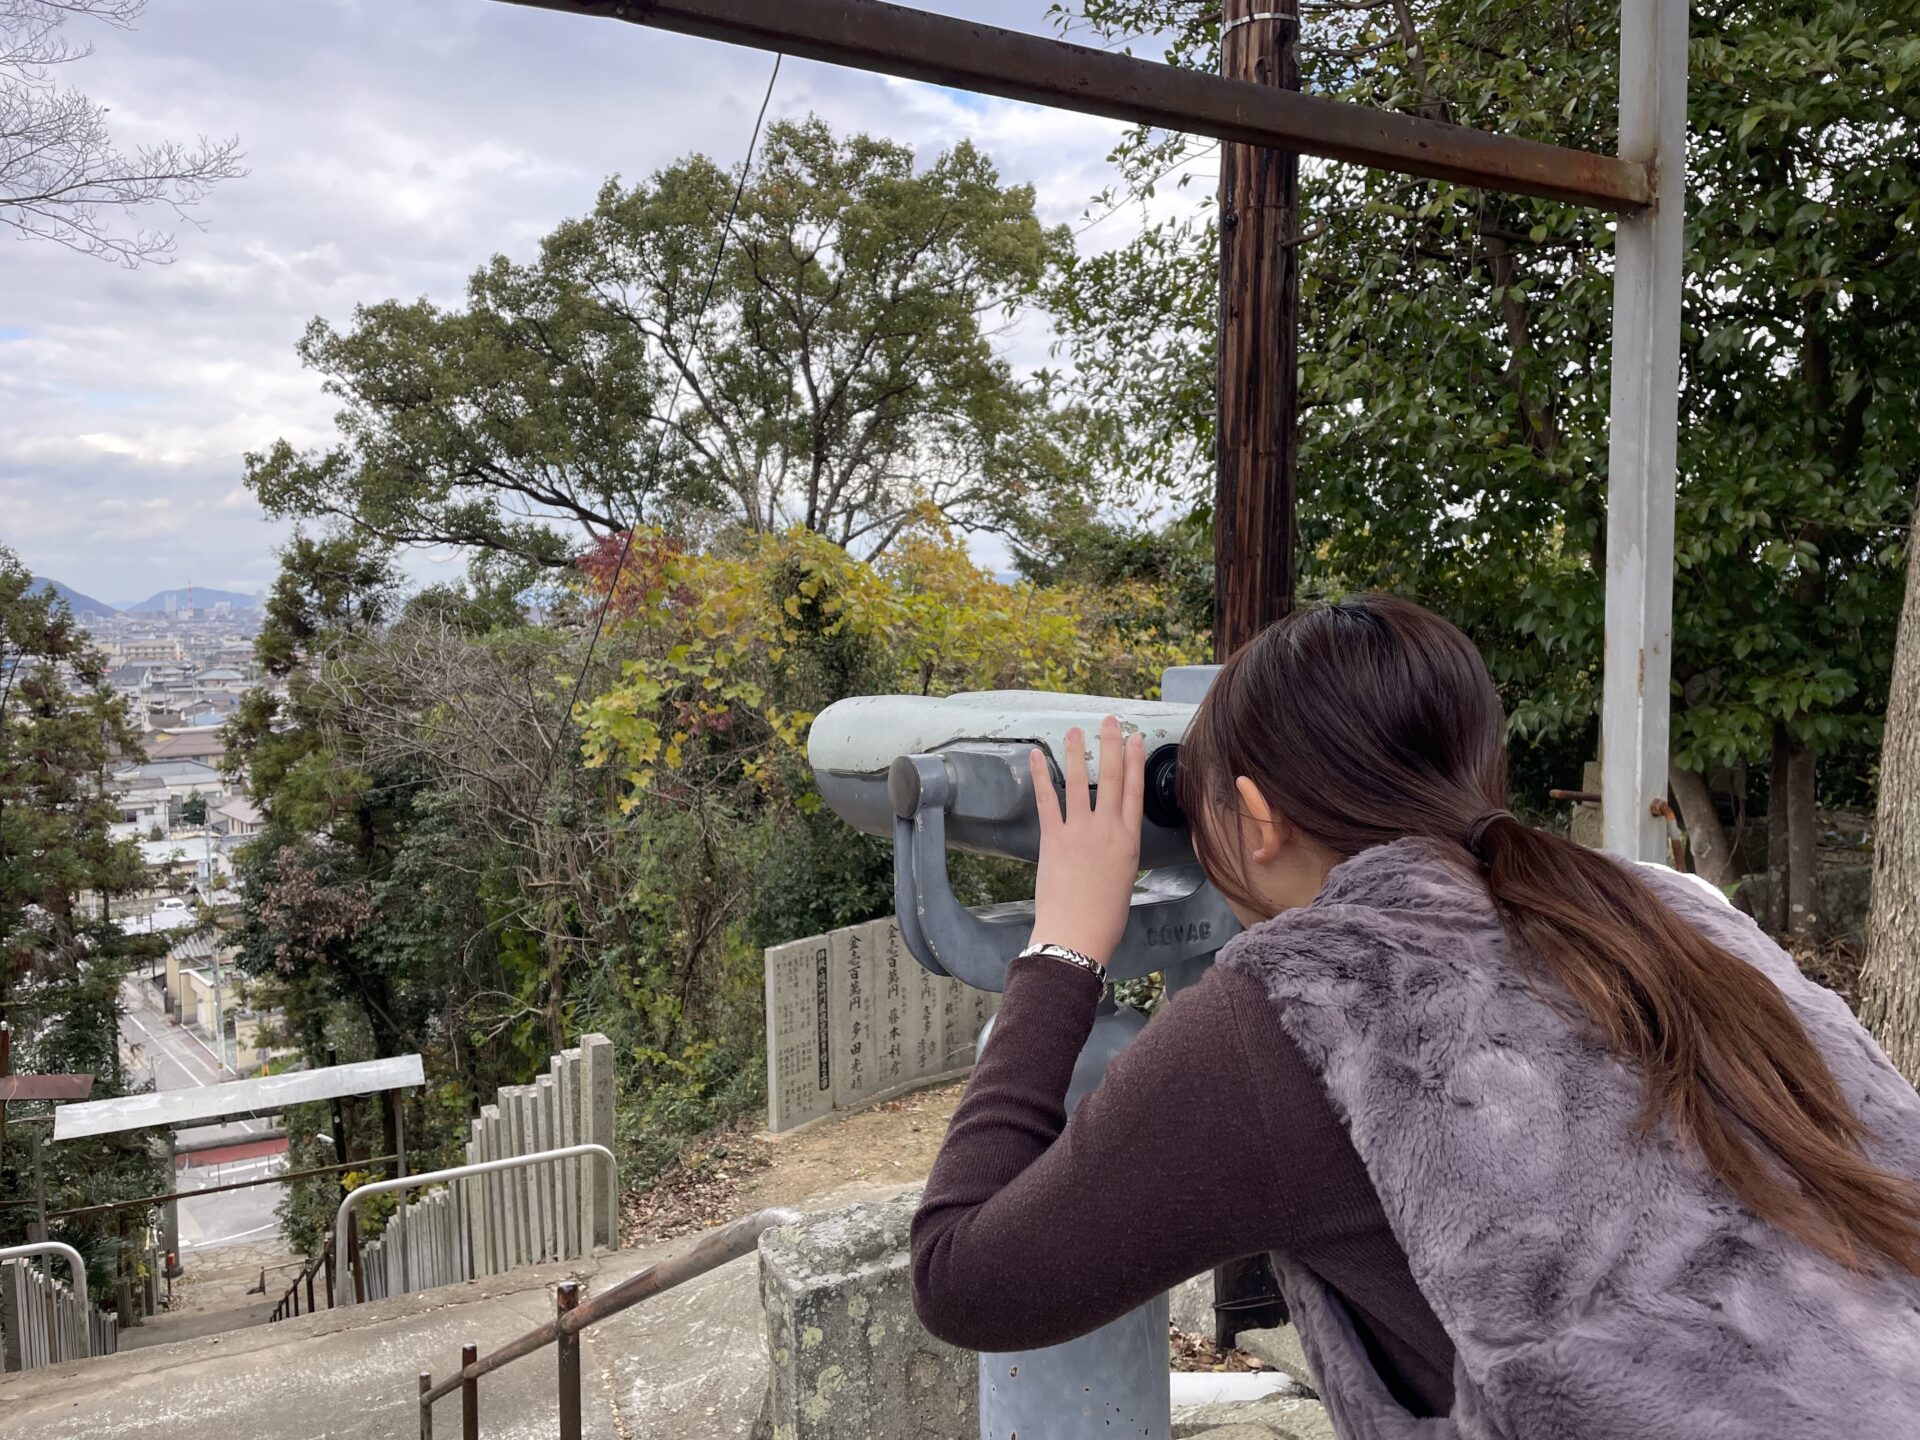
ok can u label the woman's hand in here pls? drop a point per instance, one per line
(1089, 858)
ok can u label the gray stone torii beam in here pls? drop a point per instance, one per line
(1645, 184)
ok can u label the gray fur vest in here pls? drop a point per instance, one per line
(1596, 1285)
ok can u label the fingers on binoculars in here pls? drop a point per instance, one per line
(1044, 799)
(1122, 774)
(1078, 801)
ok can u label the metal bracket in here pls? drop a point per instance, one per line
(1275, 15)
(1175, 914)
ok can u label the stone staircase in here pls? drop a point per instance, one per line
(692, 1362)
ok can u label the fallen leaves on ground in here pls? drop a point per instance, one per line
(1190, 1351)
(698, 1191)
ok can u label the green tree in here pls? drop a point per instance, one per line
(840, 375)
(62, 957)
(193, 809)
(1455, 350)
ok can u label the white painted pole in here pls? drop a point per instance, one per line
(1648, 259)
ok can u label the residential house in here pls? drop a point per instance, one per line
(238, 818)
(182, 778)
(203, 743)
(144, 807)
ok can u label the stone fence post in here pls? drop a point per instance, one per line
(849, 1356)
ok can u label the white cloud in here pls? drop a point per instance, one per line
(392, 148)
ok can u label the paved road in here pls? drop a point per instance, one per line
(174, 1058)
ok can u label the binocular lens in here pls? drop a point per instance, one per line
(1162, 801)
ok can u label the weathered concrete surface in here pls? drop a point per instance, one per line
(1284, 1418)
(849, 1357)
(1279, 1348)
(691, 1363)
(1191, 1302)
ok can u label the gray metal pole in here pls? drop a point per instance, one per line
(1643, 433)
(1113, 1381)
(170, 1212)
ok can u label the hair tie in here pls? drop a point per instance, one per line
(1477, 831)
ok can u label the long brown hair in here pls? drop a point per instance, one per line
(1370, 720)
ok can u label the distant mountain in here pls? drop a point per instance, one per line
(203, 599)
(76, 602)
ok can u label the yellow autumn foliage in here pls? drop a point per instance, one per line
(727, 656)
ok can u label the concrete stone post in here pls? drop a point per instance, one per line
(849, 1357)
(575, 1180)
(596, 1111)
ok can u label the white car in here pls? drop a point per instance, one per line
(175, 905)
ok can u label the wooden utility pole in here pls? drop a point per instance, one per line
(1253, 517)
(1258, 432)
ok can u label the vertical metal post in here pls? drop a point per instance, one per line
(469, 1394)
(355, 1260)
(6, 1069)
(567, 1342)
(426, 1407)
(1253, 513)
(39, 1188)
(1643, 433)
(1111, 1381)
(170, 1212)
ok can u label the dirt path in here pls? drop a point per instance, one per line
(891, 1144)
(880, 1148)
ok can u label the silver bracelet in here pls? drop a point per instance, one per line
(1068, 957)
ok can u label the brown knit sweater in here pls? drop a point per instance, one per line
(1209, 1139)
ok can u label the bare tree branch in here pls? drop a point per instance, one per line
(61, 176)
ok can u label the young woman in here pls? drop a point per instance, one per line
(1545, 1146)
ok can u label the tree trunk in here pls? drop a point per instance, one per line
(1776, 917)
(1890, 978)
(1706, 837)
(1803, 856)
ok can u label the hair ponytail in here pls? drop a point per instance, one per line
(1373, 719)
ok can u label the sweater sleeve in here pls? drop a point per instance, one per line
(1034, 1229)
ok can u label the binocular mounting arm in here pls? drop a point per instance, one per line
(1174, 915)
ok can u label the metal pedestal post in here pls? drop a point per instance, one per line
(1112, 1381)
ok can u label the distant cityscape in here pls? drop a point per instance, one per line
(182, 660)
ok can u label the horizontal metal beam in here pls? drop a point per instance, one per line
(939, 49)
(171, 1196)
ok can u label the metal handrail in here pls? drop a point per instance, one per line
(440, 1177)
(714, 1249)
(289, 1305)
(67, 1253)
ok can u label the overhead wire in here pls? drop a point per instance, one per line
(673, 400)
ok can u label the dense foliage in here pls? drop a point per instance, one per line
(1455, 352)
(457, 862)
(62, 957)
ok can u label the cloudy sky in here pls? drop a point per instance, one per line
(392, 145)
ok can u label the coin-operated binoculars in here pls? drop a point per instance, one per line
(954, 774)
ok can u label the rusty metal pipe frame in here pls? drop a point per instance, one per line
(939, 49)
(714, 1249)
(344, 1215)
(174, 1195)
